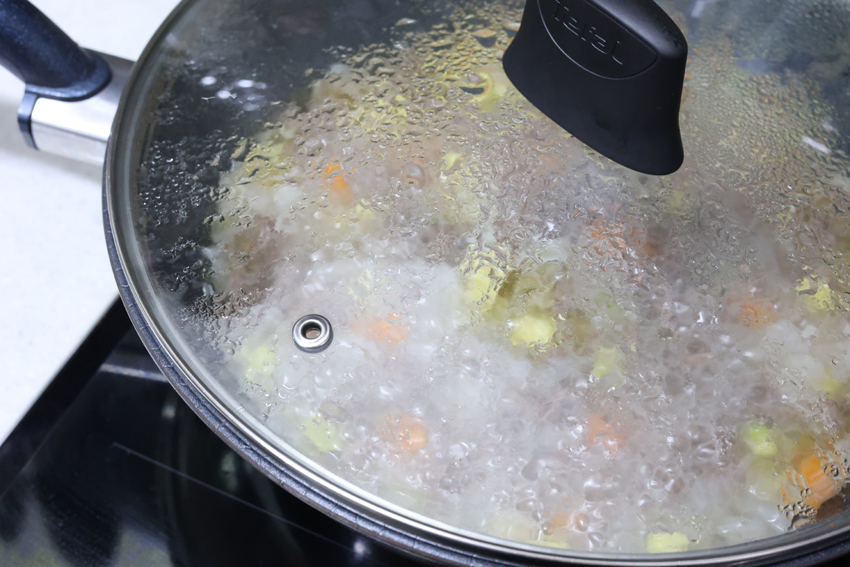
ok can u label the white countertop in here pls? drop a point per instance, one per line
(55, 277)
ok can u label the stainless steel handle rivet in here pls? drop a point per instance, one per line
(312, 333)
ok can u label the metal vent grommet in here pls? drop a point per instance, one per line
(312, 333)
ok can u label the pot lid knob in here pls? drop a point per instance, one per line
(610, 72)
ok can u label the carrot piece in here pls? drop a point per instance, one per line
(406, 433)
(561, 520)
(822, 487)
(385, 331)
(756, 313)
(607, 238)
(599, 431)
(340, 192)
(388, 330)
(331, 168)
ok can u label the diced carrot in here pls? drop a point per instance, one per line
(331, 168)
(406, 433)
(757, 312)
(607, 238)
(385, 331)
(388, 330)
(340, 192)
(599, 431)
(822, 487)
(561, 520)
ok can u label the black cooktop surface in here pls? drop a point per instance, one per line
(110, 467)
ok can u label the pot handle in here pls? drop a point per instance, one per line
(45, 58)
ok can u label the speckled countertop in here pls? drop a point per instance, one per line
(55, 278)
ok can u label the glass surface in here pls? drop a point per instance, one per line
(531, 343)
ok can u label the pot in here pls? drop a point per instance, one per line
(390, 283)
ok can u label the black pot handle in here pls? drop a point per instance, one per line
(47, 60)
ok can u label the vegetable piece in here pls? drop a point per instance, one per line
(482, 279)
(607, 239)
(607, 361)
(822, 487)
(555, 540)
(816, 296)
(759, 438)
(532, 329)
(406, 433)
(513, 525)
(561, 520)
(600, 431)
(835, 389)
(385, 331)
(535, 285)
(481, 288)
(450, 159)
(495, 84)
(332, 167)
(339, 192)
(325, 435)
(257, 363)
(756, 313)
(667, 542)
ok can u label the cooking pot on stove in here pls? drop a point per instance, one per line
(400, 290)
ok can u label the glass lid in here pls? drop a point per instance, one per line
(512, 341)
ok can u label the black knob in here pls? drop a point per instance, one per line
(610, 72)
